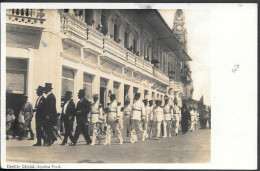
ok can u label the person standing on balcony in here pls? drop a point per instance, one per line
(176, 118)
(95, 117)
(40, 116)
(157, 117)
(137, 118)
(82, 111)
(51, 114)
(126, 118)
(68, 114)
(167, 118)
(113, 117)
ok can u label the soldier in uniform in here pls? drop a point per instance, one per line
(192, 116)
(137, 116)
(176, 118)
(39, 116)
(168, 115)
(126, 118)
(149, 115)
(95, 117)
(145, 122)
(82, 112)
(157, 117)
(68, 114)
(113, 117)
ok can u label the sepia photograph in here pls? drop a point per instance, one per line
(107, 85)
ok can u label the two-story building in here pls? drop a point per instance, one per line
(103, 51)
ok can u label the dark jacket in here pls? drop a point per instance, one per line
(185, 115)
(40, 109)
(82, 110)
(50, 109)
(70, 110)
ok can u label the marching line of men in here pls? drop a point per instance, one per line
(141, 117)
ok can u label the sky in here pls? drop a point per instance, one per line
(197, 23)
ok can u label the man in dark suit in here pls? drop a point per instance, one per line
(68, 113)
(82, 111)
(50, 113)
(185, 118)
(40, 115)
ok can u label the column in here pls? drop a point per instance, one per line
(121, 94)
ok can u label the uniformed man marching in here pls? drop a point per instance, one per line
(157, 117)
(137, 116)
(126, 118)
(95, 117)
(176, 118)
(113, 117)
(149, 115)
(145, 122)
(167, 113)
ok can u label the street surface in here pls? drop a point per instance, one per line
(193, 147)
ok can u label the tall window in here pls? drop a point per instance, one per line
(126, 39)
(89, 16)
(87, 85)
(116, 32)
(16, 76)
(104, 28)
(67, 81)
(134, 45)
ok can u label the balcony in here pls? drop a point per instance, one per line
(113, 49)
(94, 38)
(25, 19)
(74, 28)
(159, 74)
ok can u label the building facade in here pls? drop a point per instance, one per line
(103, 51)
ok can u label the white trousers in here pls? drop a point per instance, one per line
(157, 125)
(176, 123)
(110, 127)
(167, 128)
(96, 133)
(136, 127)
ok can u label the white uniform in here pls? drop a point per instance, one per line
(137, 114)
(126, 119)
(176, 118)
(157, 119)
(149, 116)
(168, 114)
(96, 116)
(196, 120)
(146, 120)
(192, 123)
(113, 117)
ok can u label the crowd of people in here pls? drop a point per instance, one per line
(142, 118)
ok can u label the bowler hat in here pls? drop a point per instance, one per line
(158, 100)
(48, 86)
(81, 91)
(68, 94)
(40, 88)
(145, 100)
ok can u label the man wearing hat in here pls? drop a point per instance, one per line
(185, 118)
(82, 111)
(157, 117)
(147, 115)
(126, 118)
(68, 114)
(113, 116)
(50, 113)
(96, 117)
(168, 114)
(176, 118)
(137, 115)
(39, 116)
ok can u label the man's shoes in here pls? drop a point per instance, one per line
(176, 134)
(48, 144)
(121, 142)
(157, 138)
(72, 144)
(62, 144)
(32, 138)
(37, 144)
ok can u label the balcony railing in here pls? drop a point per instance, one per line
(94, 36)
(73, 27)
(159, 74)
(25, 16)
(110, 46)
